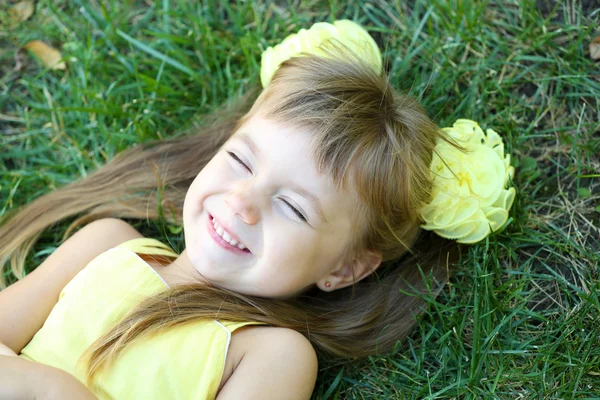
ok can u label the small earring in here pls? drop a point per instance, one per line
(327, 284)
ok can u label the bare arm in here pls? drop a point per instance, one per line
(6, 351)
(15, 377)
(282, 365)
(21, 379)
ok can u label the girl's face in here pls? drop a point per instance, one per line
(263, 190)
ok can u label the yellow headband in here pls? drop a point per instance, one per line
(348, 32)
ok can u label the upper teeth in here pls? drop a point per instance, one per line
(226, 236)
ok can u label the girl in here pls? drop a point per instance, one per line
(306, 197)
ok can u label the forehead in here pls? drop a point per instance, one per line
(286, 154)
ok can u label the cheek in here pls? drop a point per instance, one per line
(190, 198)
(291, 248)
(203, 181)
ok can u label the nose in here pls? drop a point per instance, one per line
(242, 202)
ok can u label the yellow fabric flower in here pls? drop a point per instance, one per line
(469, 196)
(348, 32)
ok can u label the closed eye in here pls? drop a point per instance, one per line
(298, 213)
(238, 160)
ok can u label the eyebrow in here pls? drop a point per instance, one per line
(316, 204)
(249, 142)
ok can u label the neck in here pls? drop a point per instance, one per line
(181, 272)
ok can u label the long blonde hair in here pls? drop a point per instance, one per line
(362, 128)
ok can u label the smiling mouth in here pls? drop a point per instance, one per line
(221, 241)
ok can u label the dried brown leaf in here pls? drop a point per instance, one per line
(595, 48)
(49, 56)
(22, 10)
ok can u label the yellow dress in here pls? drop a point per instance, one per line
(186, 362)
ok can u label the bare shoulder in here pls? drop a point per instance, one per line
(261, 339)
(276, 363)
(95, 238)
(114, 230)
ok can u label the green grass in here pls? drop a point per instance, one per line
(520, 318)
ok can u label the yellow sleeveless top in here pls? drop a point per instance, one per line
(185, 362)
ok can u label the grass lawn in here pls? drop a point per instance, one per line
(520, 318)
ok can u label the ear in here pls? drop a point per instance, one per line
(341, 277)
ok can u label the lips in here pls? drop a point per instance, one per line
(222, 242)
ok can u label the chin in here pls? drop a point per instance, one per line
(204, 266)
